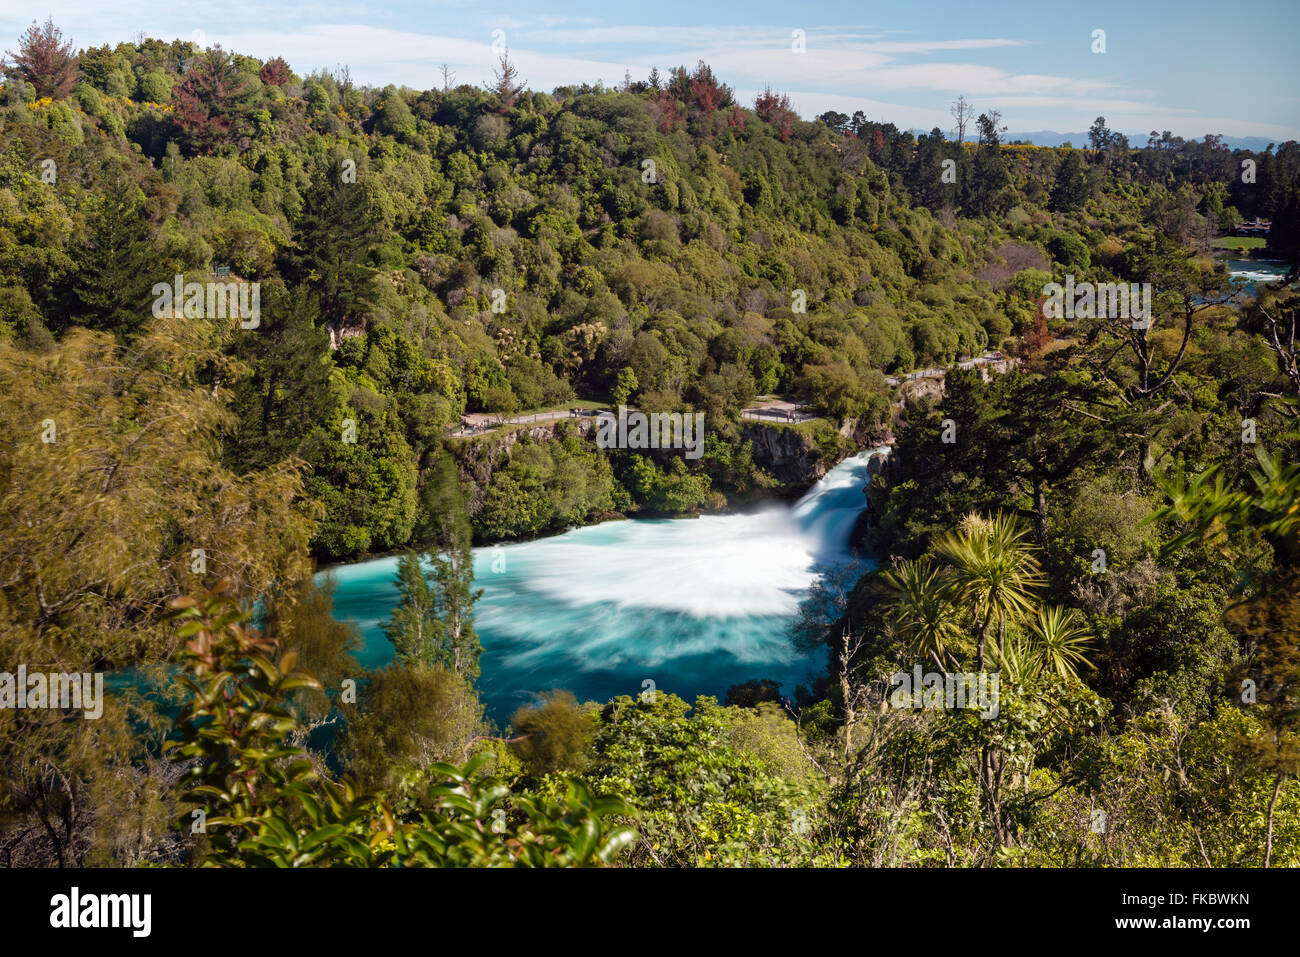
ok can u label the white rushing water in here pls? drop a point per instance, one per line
(715, 566)
(1248, 271)
(693, 604)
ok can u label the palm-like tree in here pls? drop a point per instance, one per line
(1058, 639)
(915, 598)
(1019, 657)
(993, 573)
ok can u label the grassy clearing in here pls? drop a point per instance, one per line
(811, 426)
(1239, 242)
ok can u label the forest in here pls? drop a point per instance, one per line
(1113, 525)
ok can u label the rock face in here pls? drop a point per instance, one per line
(346, 330)
(792, 457)
(788, 455)
(914, 390)
(881, 460)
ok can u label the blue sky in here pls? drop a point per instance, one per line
(1190, 67)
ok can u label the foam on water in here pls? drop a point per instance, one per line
(1249, 272)
(693, 604)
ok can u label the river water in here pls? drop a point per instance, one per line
(1248, 273)
(692, 605)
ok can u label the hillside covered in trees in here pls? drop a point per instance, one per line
(1113, 529)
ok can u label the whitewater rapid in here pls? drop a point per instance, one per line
(1249, 272)
(693, 605)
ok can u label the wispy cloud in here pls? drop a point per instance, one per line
(904, 70)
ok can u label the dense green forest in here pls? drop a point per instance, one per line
(1113, 529)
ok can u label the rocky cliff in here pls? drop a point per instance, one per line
(789, 455)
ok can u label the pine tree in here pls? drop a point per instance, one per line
(433, 624)
(448, 536)
(117, 264)
(507, 85)
(1071, 186)
(414, 628)
(211, 99)
(335, 232)
(287, 392)
(45, 61)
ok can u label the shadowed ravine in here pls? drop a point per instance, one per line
(694, 605)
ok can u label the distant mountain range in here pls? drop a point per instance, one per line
(1050, 138)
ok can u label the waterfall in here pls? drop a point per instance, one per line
(829, 509)
(692, 604)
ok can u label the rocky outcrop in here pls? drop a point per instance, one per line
(338, 331)
(881, 462)
(913, 391)
(789, 455)
(793, 456)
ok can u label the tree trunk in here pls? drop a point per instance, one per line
(1272, 804)
(846, 692)
(1040, 511)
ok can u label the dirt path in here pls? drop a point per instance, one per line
(773, 409)
(476, 423)
(766, 409)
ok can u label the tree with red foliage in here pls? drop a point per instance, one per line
(209, 100)
(877, 143)
(669, 115)
(45, 61)
(774, 109)
(737, 118)
(708, 93)
(1035, 341)
(275, 72)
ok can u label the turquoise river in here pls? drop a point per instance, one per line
(693, 605)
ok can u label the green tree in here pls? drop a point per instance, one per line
(1212, 512)
(286, 391)
(433, 624)
(409, 717)
(915, 600)
(554, 735)
(994, 575)
(338, 225)
(624, 387)
(1070, 189)
(414, 627)
(1058, 639)
(117, 262)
